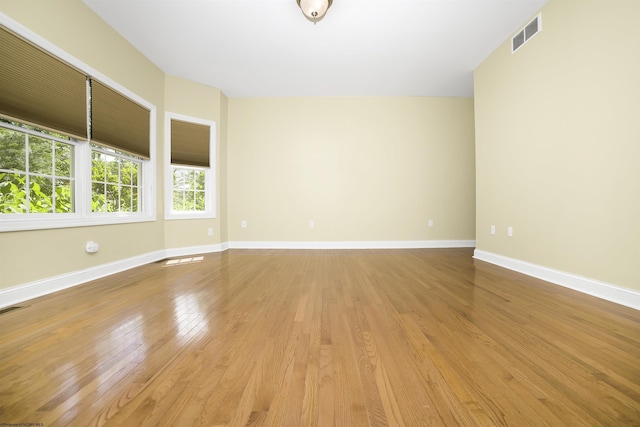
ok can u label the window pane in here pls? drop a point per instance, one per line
(180, 178)
(199, 180)
(113, 198)
(12, 150)
(97, 166)
(191, 181)
(40, 196)
(64, 196)
(178, 200)
(98, 198)
(135, 170)
(13, 197)
(125, 171)
(125, 200)
(112, 169)
(64, 159)
(40, 155)
(134, 199)
(189, 201)
(200, 206)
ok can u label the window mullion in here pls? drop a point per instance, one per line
(27, 174)
(83, 179)
(119, 185)
(105, 185)
(54, 178)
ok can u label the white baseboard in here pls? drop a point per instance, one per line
(193, 250)
(606, 291)
(38, 288)
(385, 244)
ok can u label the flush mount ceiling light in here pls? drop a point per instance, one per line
(314, 10)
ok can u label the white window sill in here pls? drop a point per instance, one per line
(68, 220)
(189, 215)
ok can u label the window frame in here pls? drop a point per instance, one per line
(210, 188)
(82, 215)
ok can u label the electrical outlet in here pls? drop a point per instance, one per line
(210, 231)
(92, 247)
(493, 229)
(312, 224)
(430, 223)
(243, 224)
(510, 231)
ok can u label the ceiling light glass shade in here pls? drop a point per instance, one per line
(314, 10)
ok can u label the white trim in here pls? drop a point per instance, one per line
(384, 244)
(623, 296)
(71, 221)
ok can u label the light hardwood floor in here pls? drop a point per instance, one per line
(320, 338)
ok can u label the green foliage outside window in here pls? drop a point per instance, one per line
(36, 173)
(188, 190)
(114, 182)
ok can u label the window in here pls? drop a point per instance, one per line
(36, 170)
(41, 181)
(75, 147)
(190, 171)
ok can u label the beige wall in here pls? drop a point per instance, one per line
(203, 102)
(558, 143)
(31, 255)
(364, 169)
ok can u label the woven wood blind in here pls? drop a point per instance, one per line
(38, 88)
(189, 143)
(118, 122)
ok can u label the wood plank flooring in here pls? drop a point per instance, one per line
(320, 338)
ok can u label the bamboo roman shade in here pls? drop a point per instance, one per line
(118, 122)
(189, 143)
(38, 88)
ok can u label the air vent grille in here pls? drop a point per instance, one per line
(518, 41)
(525, 34)
(531, 29)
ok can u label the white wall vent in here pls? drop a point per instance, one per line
(525, 34)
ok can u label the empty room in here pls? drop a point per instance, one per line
(319, 212)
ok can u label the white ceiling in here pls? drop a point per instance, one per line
(264, 48)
